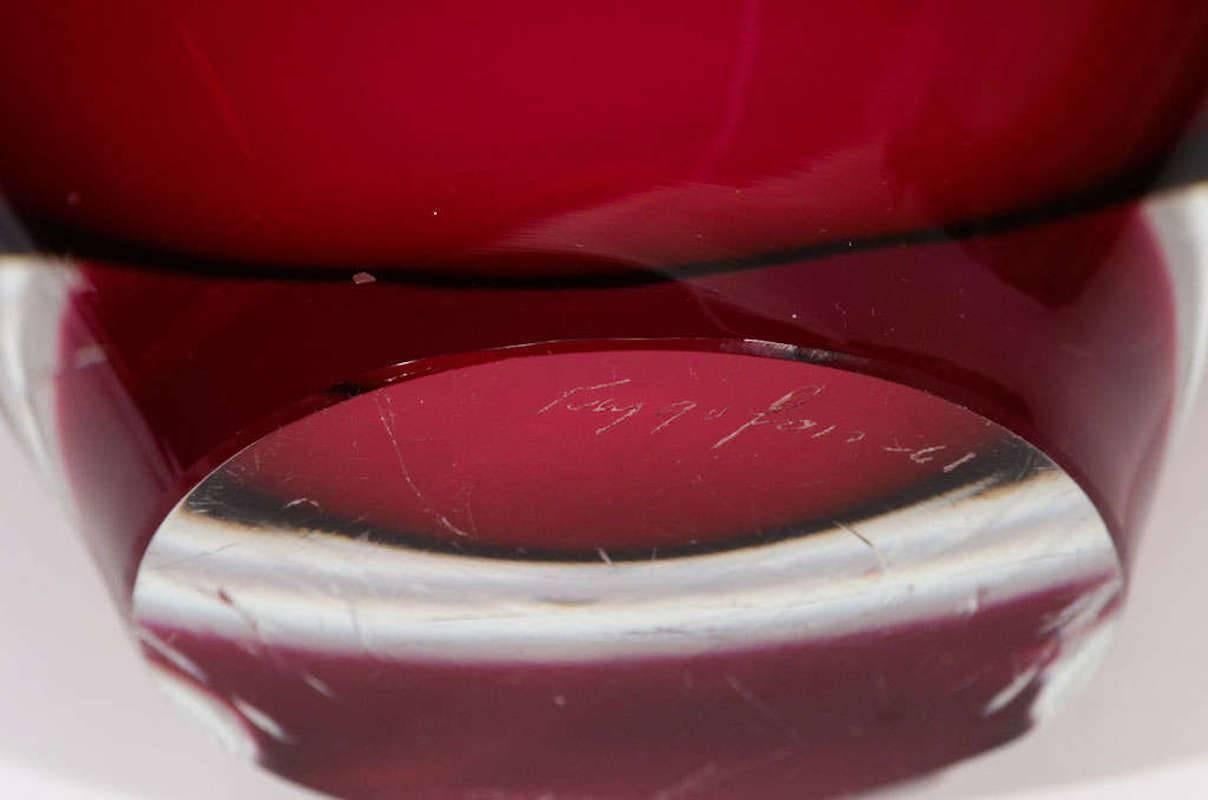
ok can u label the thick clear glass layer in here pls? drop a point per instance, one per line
(615, 571)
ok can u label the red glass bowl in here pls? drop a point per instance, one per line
(745, 401)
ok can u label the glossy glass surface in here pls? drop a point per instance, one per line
(473, 288)
(561, 138)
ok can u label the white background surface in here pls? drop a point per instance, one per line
(80, 717)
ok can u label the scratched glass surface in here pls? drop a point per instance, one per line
(547, 401)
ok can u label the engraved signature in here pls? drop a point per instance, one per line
(782, 414)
